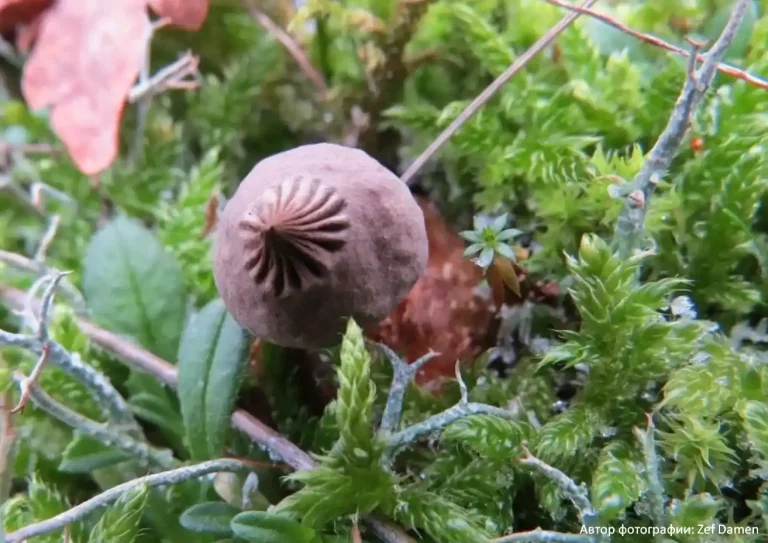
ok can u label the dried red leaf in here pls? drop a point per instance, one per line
(27, 35)
(443, 311)
(20, 12)
(188, 14)
(85, 60)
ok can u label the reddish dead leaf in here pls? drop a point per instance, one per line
(443, 311)
(85, 60)
(27, 34)
(188, 14)
(506, 276)
(20, 12)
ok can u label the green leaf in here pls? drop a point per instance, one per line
(695, 511)
(263, 527)
(134, 287)
(84, 454)
(209, 518)
(491, 437)
(356, 395)
(120, 523)
(212, 358)
(617, 481)
(486, 257)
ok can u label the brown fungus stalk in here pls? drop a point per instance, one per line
(312, 237)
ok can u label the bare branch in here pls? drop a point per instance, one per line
(403, 373)
(293, 48)
(658, 42)
(182, 74)
(630, 223)
(461, 410)
(491, 90)
(106, 434)
(81, 510)
(28, 383)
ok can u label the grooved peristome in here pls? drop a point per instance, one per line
(292, 233)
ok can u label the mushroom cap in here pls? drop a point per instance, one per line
(314, 236)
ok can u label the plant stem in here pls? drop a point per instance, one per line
(105, 434)
(658, 42)
(630, 224)
(107, 397)
(490, 91)
(403, 373)
(107, 497)
(461, 410)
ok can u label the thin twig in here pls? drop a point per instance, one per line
(107, 397)
(630, 223)
(293, 48)
(80, 511)
(261, 434)
(47, 239)
(543, 536)
(658, 42)
(461, 410)
(23, 263)
(28, 383)
(403, 373)
(574, 492)
(488, 93)
(106, 434)
(173, 76)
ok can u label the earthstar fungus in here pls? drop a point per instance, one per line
(313, 236)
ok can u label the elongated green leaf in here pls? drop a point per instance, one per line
(209, 518)
(120, 523)
(212, 357)
(134, 287)
(263, 527)
(83, 455)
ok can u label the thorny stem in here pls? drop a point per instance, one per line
(107, 497)
(461, 410)
(490, 91)
(543, 536)
(658, 42)
(403, 373)
(104, 433)
(630, 224)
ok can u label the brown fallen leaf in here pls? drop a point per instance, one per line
(187, 14)
(444, 311)
(85, 60)
(502, 276)
(20, 12)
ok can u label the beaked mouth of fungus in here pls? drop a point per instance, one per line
(291, 234)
